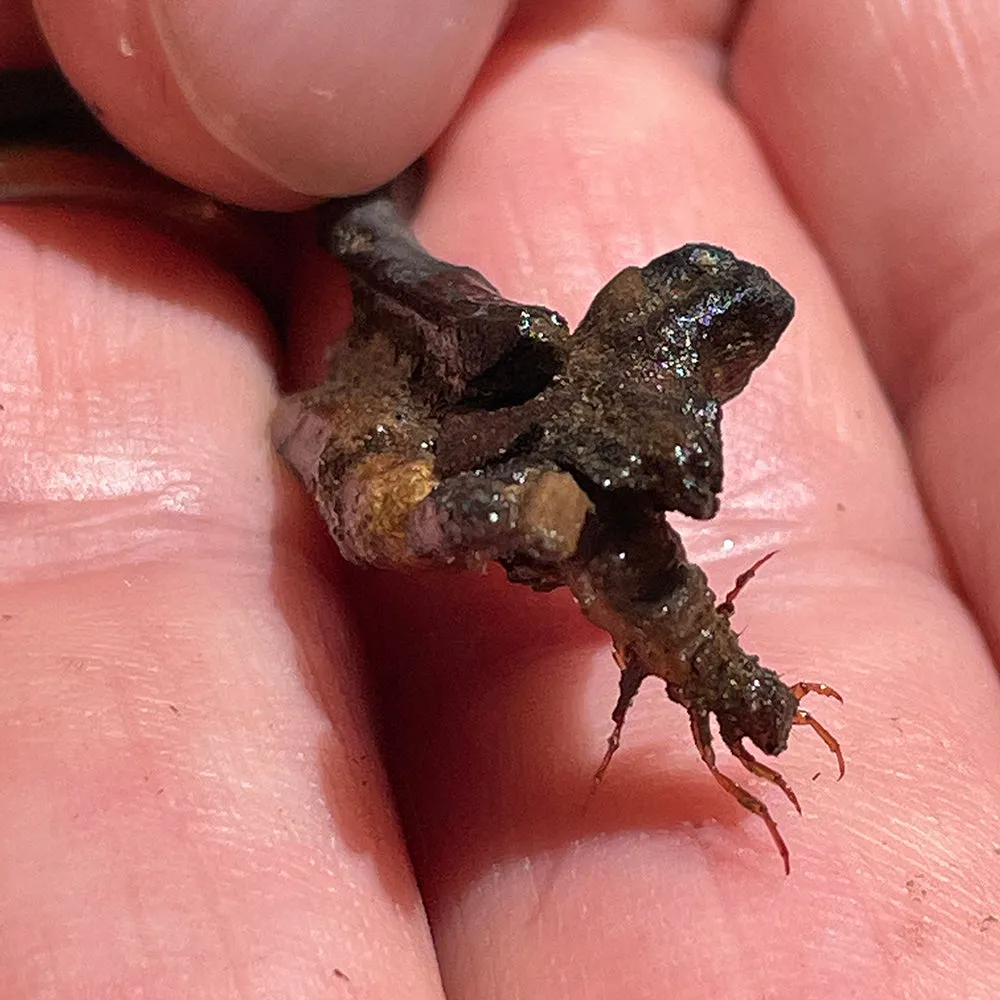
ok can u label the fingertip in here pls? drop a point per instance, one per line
(328, 100)
(271, 105)
(110, 54)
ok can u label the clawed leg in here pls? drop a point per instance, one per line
(632, 676)
(803, 718)
(754, 766)
(703, 741)
(803, 688)
(728, 606)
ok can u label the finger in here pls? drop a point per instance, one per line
(265, 103)
(901, 99)
(21, 44)
(572, 161)
(192, 800)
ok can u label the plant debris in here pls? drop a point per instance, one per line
(457, 428)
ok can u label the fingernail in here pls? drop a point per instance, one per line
(325, 98)
(243, 105)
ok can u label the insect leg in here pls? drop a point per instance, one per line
(802, 718)
(728, 606)
(703, 741)
(803, 688)
(632, 676)
(754, 766)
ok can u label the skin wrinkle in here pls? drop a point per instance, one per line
(949, 15)
(144, 760)
(135, 733)
(878, 29)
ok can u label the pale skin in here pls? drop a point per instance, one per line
(194, 800)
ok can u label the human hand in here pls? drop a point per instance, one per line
(194, 803)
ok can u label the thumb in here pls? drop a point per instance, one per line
(269, 103)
